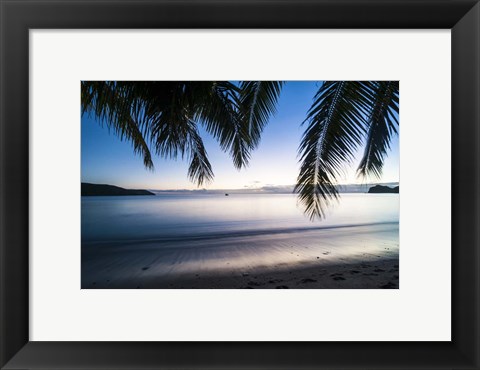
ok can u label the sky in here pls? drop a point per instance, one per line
(105, 159)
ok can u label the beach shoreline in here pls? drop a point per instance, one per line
(357, 257)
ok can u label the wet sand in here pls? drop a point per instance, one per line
(353, 257)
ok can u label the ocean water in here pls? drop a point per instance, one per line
(181, 217)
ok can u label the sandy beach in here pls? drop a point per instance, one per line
(347, 257)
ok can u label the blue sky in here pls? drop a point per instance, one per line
(107, 160)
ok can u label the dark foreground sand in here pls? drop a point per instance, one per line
(360, 257)
(382, 273)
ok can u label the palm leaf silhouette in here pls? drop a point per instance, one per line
(259, 100)
(342, 115)
(383, 124)
(165, 116)
(113, 108)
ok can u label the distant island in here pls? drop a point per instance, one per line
(102, 189)
(377, 189)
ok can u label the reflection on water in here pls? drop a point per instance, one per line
(138, 218)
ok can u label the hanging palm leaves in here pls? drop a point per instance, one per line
(166, 115)
(342, 115)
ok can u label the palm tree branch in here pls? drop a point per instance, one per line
(335, 128)
(258, 102)
(383, 124)
(112, 108)
(221, 118)
(200, 170)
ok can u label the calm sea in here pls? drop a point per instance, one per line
(168, 217)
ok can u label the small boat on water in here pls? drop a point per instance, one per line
(226, 194)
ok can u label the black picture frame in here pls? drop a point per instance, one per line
(19, 16)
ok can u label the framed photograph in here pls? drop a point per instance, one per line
(234, 229)
(199, 184)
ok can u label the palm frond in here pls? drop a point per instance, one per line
(258, 101)
(169, 110)
(200, 170)
(164, 115)
(383, 124)
(336, 126)
(220, 115)
(113, 107)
